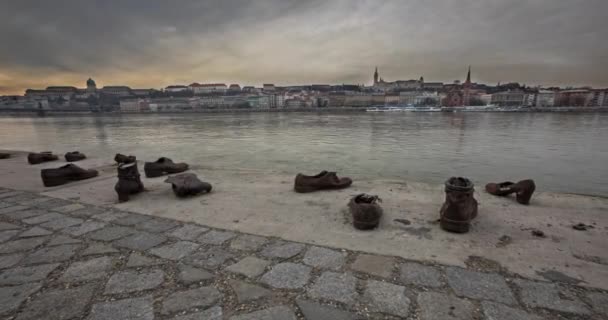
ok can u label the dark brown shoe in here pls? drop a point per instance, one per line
(5, 155)
(187, 184)
(45, 156)
(366, 211)
(524, 190)
(129, 181)
(460, 207)
(65, 174)
(74, 156)
(121, 158)
(163, 166)
(500, 189)
(322, 181)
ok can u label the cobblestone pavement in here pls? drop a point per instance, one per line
(66, 260)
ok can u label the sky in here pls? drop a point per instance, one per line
(152, 44)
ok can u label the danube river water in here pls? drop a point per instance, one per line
(562, 152)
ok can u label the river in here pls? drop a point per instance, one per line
(562, 152)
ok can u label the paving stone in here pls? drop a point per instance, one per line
(283, 250)
(12, 297)
(52, 254)
(213, 313)
(188, 232)
(73, 303)
(175, 251)
(324, 258)
(250, 267)
(8, 226)
(89, 211)
(248, 242)
(420, 275)
(5, 204)
(69, 208)
(43, 218)
(157, 225)
(110, 216)
(61, 223)
(599, 301)
(549, 296)
(315, 311)
(10, 260)
(216, 237)
(21, 275)
(387, 298)
(21, 198)
(22, 244)
(380, 266)
(131, 309)
(287, 276)
(137, 260)
(440, 306)
(95, 268)
(98, 248)
(35, 232)
(24, 214)
(497, 311)
(335, 286)
(140, 241)
(132, 281)
(132, 219)
(188, 274)
(35, 201)
(8, 234)
(273, 313)
(111, 233)
(53, 203)
(84, 228)
(61, 239)
(184, 300)
(10, 194)
(479, 286)
(246, 292)
(8, 211)
(211, 258)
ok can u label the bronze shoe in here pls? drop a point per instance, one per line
(45, 156)
(322, 181)
(460, 207)
(163, 166)
(65, 174)
(366, 211)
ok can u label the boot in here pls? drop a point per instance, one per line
(500, 189)
(322, 181)
(163, 166)
(460, 207)
(366, 211)
(121, 158)
(74, 156)
(36, 158)
(65, 174)
(5, 155)
(129, 181)
(524, 190)
(187, 184)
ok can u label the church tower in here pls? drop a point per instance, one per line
(467, 87)
(376, 76)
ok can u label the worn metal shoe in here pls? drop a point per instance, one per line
(65, 174)
(74, 156)
(45, 156)
(163, 166)
(366, 211)
(129, 181)
(460, 207)
(5, 155)
(322, 181)
(188, 184)
(500, 189)
(524, 190)
(121, 158)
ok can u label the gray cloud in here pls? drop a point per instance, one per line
(155, 43)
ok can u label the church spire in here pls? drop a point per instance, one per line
(469, 76)
(376, 76)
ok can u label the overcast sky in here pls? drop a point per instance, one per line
(149, 43)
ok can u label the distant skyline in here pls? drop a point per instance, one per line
(153, 43)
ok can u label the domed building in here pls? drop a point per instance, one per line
(91, 86)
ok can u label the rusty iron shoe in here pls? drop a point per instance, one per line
(74, 156)
(163, 166)
(322, 181)
(187, 184)
(65, 174)
(500, 189)
(524, 190)
(129, 181)
(40, 157)
(121, 158)
(5, 155)
(366, 211)
(460, 207)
